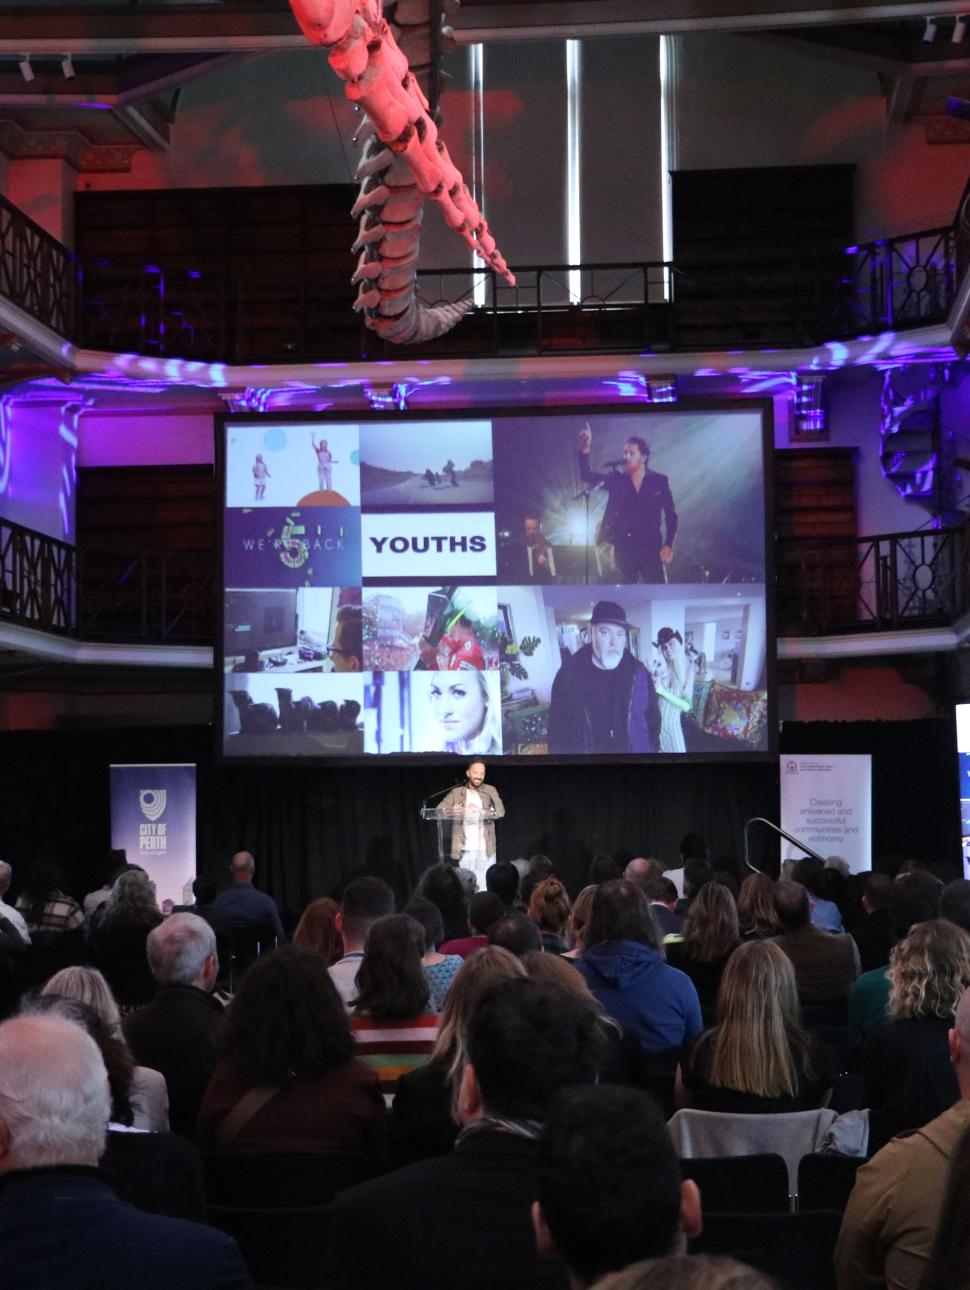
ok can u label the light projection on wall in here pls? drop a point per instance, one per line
(38, 464)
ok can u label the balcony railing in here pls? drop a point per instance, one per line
(37, 580)
(37, 272)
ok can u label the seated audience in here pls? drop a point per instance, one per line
(710, 937)
(441, 885)
(688, 1272)
(109, 870)
(539, 868)
(692, 847)
(608, 1183)
(825, 963)
(603, 868)
(915, 898)
(365, 901)
(148, 1092)
(247, 909)
(175, 1033)
(466, 1216)
(205, 889)
(697, 873)
(662, 896)
(955, 903)
(43, 902)
(641, 871)
(424, 1116)
(757, 916)
(873, 934)
(60, 1222)
(624, 968)
(392, 1022)
(439, 967)
(484, 910)
(8, 912)
(825, 913)
(287, 1078)
(502, 879)
(894, 1210)
(118, 935)
(317, 930)
(515, 933)
(949, 1259)
(549, 910)
(578, 918)
(757, 1059)
(907, 1075)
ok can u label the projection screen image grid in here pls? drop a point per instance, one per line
(586, 584)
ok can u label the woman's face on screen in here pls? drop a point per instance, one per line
(458, 706)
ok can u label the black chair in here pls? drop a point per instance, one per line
(46, 954)
(826, 1181)
(740, 1184)
(796, 1249)
(848, 1094)
(281, 1181)
(157, 1172)
(247, 946)
(282, 1248)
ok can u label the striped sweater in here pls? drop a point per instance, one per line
(393, 1048)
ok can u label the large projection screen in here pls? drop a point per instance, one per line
(583, 583)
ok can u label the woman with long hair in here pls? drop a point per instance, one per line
(466, 711)
(758, 1058)
(549, 910)
(441, 885)
(146, 1089)
(578, 918)
(757, 916)
(287, 1078)
(908, 1078)
(118, 936)
(392, 1019)
(710, 938)
(317, 930)
(424, 1115)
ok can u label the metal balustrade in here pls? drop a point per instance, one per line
(37, 273)
(37, 579)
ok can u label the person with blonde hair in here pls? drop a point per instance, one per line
(549, 910)
(757, 916)
(710, 937)
(757, 1059)
(908, 1078)
(424, 1120)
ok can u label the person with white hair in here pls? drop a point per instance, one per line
(8, 911)
(175, 1033)
(61, 1224)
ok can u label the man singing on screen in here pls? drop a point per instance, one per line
(603, 700)
(472, 834)
(640, 519)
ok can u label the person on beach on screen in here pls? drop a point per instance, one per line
(465, 714)
(324, 463)
(260, 476)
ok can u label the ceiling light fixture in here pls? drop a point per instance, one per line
(960, 29)
(929, 34)
(67, 67)
(26, 71)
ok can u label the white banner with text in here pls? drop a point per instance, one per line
(826, 802)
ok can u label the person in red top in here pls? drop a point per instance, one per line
(484, 911)
(464, 651)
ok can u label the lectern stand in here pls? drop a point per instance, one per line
(445, 820)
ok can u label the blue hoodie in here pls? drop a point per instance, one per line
(654, 1001)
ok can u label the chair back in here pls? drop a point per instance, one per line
(826, 1181)
(718, 1133)
(282, 1248)
(797, 1250)
(281, 1181)
(740, 1184)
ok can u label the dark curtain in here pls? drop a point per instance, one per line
(312, 829)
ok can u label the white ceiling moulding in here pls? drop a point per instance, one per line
(62, 649)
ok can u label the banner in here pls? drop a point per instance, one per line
(826, 802)
(153, 821)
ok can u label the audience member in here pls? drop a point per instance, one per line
(688, 1272)
(515, 933)
(625, 969)
(578, 918)
(439, 966)
(147, 1091)
(873, 934)
(110, 868)
(502, 878)
(484, 910)
(424, 1115)
(710, 937)
(907, 1074)
(692, 847)
(697, 873)
(824, 913)
(540, 868)
(205, 889)
(955, 903)
(44, 904)
(8, 912)
(248, 910)
(757, 916)
(549, 910)
(317, 930)
(609, 1188)
(641, 871)
(949, 1261)
(915, 899)
(661, 895)
(287, 1078)
(603, 868)
(117, 936)
(176, 1033)
(441, 885)
(466, 1216)
(365, 901)
(892, 1215)
(60, 1222)
(758, 1058)
(392, 1021)
(825, 963)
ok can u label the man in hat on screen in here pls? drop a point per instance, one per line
(603, 700)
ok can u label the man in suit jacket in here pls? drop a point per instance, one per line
(176, 1032)
(473, 837)
(465, 1218)
(61, 1225)
(825, 963)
